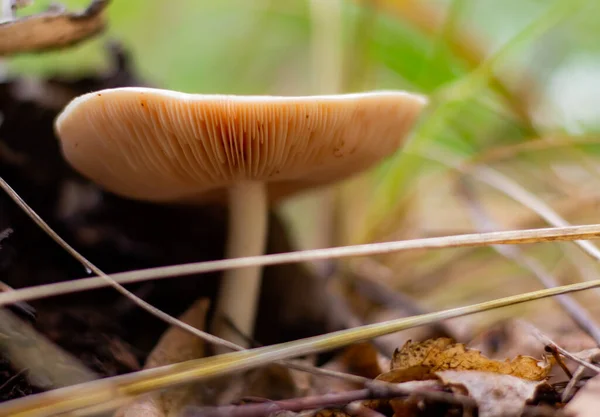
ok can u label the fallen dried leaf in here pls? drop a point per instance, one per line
(496, 394)
(587, 400)
(51, 29)
(442, 354)
(175, 345)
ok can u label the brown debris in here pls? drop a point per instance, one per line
(363, 359)
(51, 29)
(175, 345)
(442, 354)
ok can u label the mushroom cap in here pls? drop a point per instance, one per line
(159, 145)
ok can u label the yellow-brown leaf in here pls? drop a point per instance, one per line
(443, 354)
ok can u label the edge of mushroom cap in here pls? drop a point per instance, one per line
(234, 97)
(216, 194)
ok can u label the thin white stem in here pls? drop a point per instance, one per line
(240, 288)
(7, 11)
(327, 46)
(327, 49)
(6, 15)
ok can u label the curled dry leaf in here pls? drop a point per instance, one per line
(51, 29)
(587, 400)
(417, 360)
(175, 345)
(496, 394)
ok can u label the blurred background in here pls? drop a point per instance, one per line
(512, 126)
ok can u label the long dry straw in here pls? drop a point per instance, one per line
(556, 234)
(113, 391)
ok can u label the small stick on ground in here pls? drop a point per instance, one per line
(549, 342)
(570, 388)
(589, 355)
(558, 359)
(372, 392)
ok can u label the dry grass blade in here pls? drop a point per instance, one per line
(549, 342)
(113, 391)
(52, 29)
(107, 280)
(558, 234)
(569, 304)
(513, 190)
(174, 346)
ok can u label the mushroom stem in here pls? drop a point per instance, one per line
(7, 10)
(240, 288)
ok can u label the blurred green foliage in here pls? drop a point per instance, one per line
(263, 47)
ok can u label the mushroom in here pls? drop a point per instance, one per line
(166, 146)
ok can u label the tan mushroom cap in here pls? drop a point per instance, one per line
(160, 145)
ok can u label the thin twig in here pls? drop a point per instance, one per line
(484, 223)
(375, 391)
(552, 349)
(570, 388)
(149, 307)
(549, 342)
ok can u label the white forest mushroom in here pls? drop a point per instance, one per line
(166, 146)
